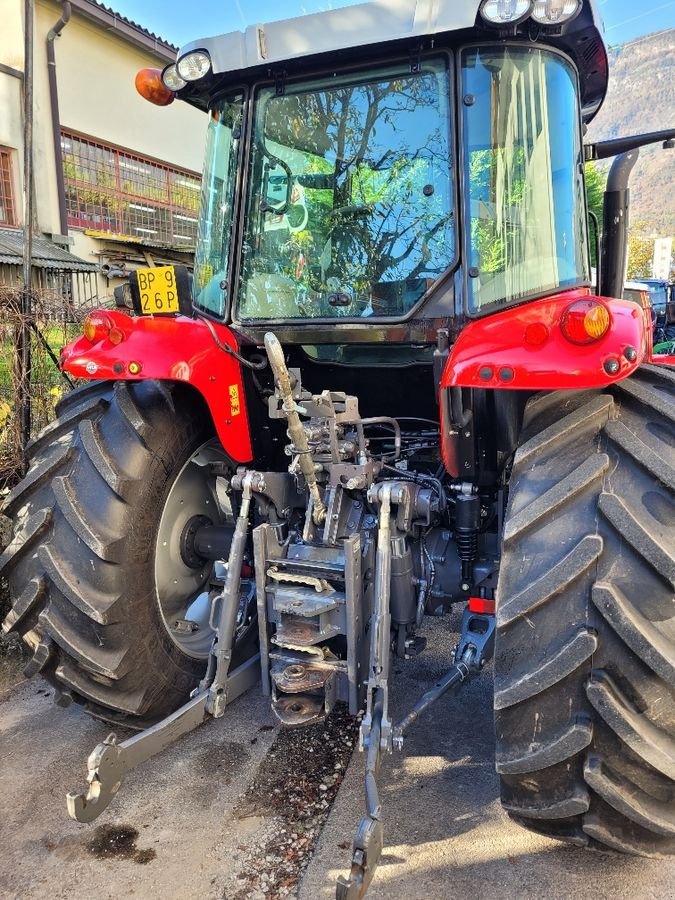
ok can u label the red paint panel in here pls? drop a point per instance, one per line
(173, 349)
(663, 360)
(494, 352)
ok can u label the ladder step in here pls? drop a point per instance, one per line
(320, 585)
(332, 570)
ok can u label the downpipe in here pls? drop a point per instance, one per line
(23, 348)
(52, 34)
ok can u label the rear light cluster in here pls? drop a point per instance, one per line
(585, 321)
(99, 327)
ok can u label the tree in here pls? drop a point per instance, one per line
(596, 179)
(640, 256)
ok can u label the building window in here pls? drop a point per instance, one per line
(115, 191)
(7, 210)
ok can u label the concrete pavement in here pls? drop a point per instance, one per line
(173, 830)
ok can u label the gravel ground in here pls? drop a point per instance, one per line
(235, 809)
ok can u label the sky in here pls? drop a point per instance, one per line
(179, 22)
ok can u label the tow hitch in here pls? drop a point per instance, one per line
(474, 649)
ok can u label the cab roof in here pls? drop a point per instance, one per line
(376, 22)
(335, 31)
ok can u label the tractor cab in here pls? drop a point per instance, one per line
(434, 174)
(380, 176)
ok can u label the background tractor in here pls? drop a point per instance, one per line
(389, 388)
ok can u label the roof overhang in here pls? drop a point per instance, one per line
(44, 254)
(123, 28)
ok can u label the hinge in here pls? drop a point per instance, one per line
(280, 83)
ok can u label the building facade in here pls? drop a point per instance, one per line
(116, 179)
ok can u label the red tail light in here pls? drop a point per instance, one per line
(98, 326)
(585, 321)
(536, 334)
(115, 335)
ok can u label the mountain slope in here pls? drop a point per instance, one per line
(641, 98)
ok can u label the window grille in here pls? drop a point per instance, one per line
(113, 190)
(7, 208)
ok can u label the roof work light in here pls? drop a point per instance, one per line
(505, 12)
(194, 65)
(555, 12)
(172, 79)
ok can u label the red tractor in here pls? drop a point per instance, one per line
(389, 387)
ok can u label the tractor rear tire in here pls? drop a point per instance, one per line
(585, 646)
(81, 563)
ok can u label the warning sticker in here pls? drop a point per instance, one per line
(235, 407)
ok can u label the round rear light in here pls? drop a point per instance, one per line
(115, 335)
(536, 334)
(96, 327)
(585, 321)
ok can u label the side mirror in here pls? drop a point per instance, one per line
(122, 296)
(277, 188)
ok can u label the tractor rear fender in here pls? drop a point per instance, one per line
(525, 348)
(168, 349)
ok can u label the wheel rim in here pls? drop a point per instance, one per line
(182, 591)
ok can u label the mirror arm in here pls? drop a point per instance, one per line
(607, 149)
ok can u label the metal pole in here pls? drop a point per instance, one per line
(23, 349)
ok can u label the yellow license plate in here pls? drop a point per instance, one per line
(157, 287)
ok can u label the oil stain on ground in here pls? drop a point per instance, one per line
(118, 842)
